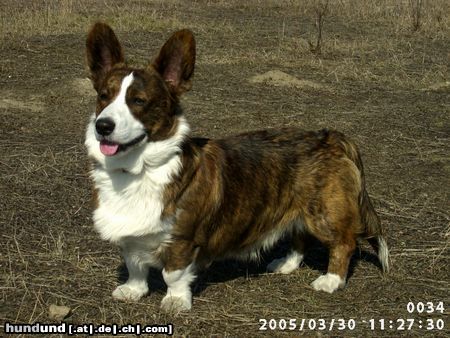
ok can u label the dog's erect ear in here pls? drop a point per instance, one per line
(176, 61)
(103, 51)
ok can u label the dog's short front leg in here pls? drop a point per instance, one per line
(136, 285)
(179, 295)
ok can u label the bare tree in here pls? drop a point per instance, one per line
(320, 10)
(416, 13)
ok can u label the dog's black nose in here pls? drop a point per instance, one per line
(104, 126)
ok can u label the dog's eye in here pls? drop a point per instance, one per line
(103, 96)
(138, 101)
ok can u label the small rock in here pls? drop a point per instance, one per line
(58, 312)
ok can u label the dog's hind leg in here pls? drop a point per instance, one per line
(340, 254)
(300, 242)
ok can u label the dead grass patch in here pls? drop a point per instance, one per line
(13, 104)
(279, 78)
(83, 87)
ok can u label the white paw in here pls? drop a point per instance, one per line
(328, 283)
(129, 292)
(173, 304)
(286, 264)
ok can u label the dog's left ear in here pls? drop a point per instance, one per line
(176, 61)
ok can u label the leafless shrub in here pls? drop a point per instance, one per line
(320, 11)
(416, 14)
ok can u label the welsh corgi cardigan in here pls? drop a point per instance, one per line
(177, 203)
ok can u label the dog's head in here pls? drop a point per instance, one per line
(136, 106)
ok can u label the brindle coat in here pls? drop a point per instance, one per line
(237, 195)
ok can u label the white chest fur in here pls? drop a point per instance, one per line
(130, 187)
(131, 205)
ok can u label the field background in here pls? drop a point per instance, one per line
(380, 78)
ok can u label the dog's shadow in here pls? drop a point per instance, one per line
(316, 258)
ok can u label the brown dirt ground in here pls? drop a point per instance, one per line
(377, 80)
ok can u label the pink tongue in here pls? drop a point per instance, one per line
(108, 148)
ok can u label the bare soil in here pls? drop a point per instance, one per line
(377, 80)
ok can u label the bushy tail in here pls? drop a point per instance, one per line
(373, 231)
(380, 246)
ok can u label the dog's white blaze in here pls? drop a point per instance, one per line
(329, 282)
(127, 126)
(179, 295)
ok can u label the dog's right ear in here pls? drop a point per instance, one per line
(103, 51)
(176, 60)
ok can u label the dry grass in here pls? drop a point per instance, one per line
(24, 19)
(377, 79)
